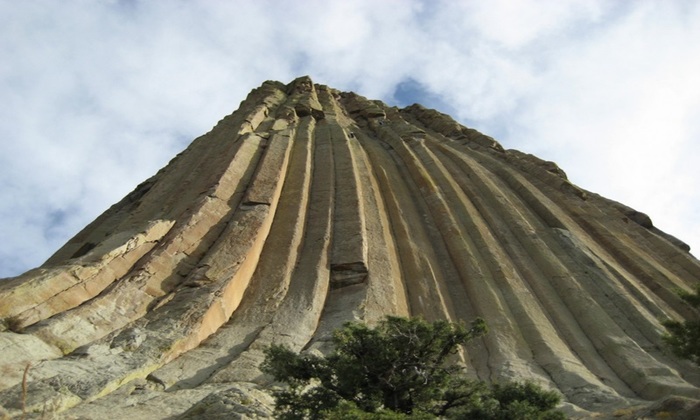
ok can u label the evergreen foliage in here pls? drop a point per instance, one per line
(684, 337)
(399, 370)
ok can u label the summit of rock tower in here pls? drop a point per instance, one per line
(309, 207)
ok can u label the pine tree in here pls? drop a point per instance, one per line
(684, 337)
(400, 369)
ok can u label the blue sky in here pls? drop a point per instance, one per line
(98, 95)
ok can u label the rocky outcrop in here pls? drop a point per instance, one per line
(308, 207)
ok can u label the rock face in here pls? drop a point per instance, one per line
(308, 207)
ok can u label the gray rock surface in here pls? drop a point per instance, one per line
(309, 207)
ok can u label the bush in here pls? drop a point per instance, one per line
(399, 370)
(513, 401)
(684, 337)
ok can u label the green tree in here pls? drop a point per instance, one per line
(684, 337)
(511, 401)
(400, 369)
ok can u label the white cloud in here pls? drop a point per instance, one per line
(616, 110)
(98, 96)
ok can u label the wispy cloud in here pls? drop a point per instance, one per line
(97, 96)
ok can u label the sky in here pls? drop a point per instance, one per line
(98, 95)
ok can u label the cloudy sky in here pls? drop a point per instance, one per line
(98, 95)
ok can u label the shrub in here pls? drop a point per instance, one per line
(399, 370)
(684, 337)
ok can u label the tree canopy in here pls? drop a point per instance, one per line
(403, 368)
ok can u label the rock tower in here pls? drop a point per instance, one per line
(308, 207)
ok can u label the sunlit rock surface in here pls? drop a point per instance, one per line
(308, 207)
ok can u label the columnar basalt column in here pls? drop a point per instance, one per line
(308, 207)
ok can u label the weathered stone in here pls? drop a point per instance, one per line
(231, 403)
(307, 208)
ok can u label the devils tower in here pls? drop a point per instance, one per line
(308, 207)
